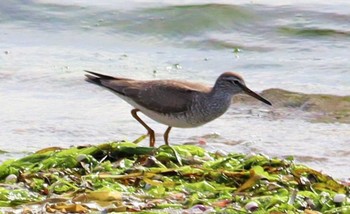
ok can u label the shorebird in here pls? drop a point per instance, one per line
(175, 103)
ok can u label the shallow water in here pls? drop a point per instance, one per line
(45, 45)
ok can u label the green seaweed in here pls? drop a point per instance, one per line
(124, 177)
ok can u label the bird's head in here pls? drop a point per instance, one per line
(234, 83)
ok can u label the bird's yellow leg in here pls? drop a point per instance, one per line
(166, 135)
(150, 132)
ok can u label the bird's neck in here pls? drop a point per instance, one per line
(220, 96)
(221, 92)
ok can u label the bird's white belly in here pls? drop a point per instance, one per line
(172, 121)
(176, 120)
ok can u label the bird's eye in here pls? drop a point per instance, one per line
(233, 81)
(236, 82)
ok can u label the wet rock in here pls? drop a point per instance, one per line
(317, 107)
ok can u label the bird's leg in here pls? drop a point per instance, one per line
(150, 132)
(166, 135)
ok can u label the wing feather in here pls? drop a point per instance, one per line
(162, 96)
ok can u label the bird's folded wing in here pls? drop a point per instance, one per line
(162, 98)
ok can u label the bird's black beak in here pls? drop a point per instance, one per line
(253, 94)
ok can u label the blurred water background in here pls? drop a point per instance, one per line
(45, 45)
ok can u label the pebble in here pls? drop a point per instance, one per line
(251, 206)
(11, 178)
(200, 209)
(339, 198)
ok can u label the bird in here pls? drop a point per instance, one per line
(175, 103)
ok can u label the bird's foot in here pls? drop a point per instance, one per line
(152, 138)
